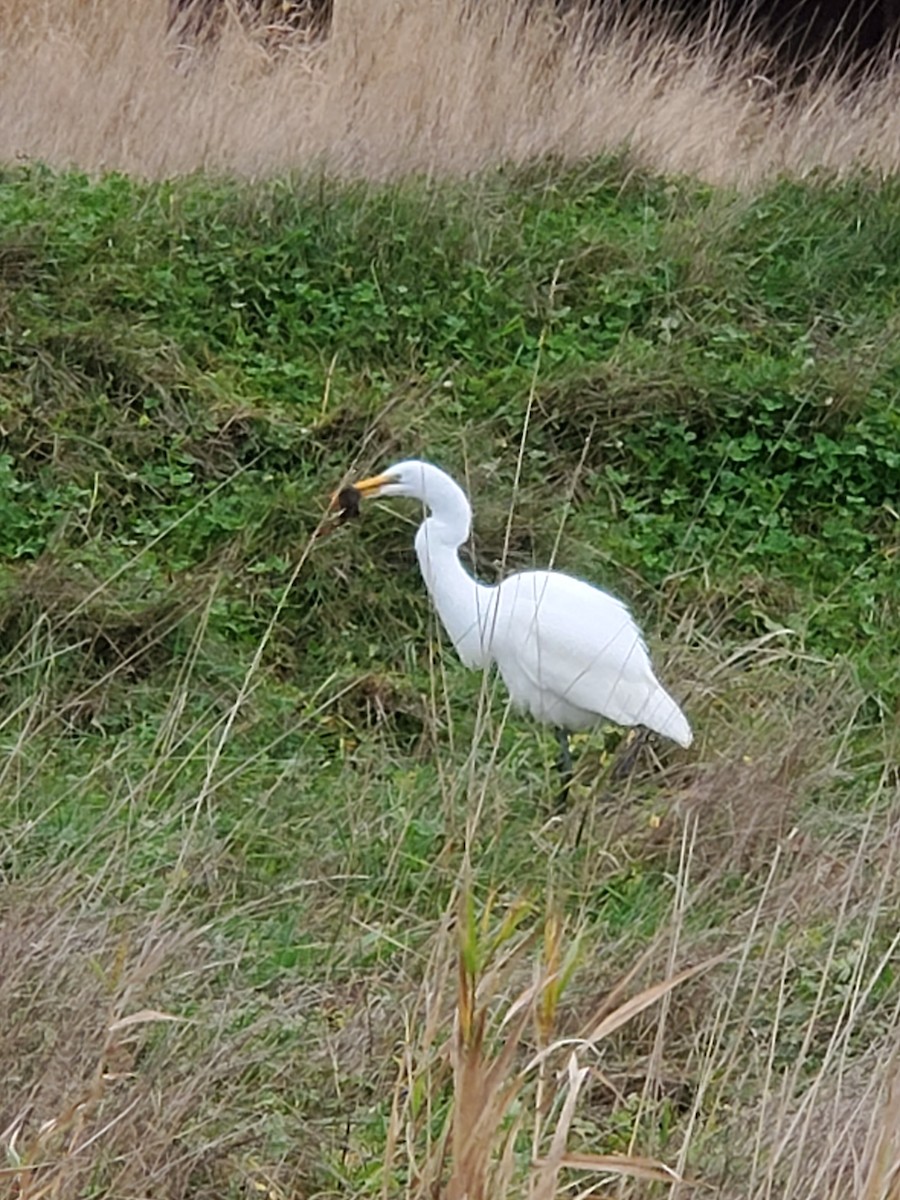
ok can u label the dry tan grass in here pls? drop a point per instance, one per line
(435, 86)
(766, 1106)
(76, 993)
(511, 1035)
(123, 1067)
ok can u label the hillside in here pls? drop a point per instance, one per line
(245, 785)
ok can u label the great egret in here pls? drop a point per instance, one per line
(569, 654)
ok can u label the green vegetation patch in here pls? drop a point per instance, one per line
(740, 409)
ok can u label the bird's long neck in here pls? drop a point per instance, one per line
(462, 603)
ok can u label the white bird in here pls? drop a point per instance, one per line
(569, 654)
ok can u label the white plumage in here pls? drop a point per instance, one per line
(569, 654)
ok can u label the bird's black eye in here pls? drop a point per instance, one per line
(348, 500)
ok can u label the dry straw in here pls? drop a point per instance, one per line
(397, 86)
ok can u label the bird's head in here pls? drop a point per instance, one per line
(421, 481)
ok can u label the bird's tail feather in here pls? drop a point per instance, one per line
(663, 715)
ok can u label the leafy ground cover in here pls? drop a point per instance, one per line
(243, 783)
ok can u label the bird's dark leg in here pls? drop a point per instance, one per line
(624, 763)
(564, 763)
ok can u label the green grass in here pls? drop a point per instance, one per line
(211, 718)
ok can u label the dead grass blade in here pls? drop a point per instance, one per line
(631, 1165)
(144, 1017)
(629, 1009)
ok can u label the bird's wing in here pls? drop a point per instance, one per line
(576, 643)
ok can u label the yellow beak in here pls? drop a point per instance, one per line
(372, 486)
(347, 499)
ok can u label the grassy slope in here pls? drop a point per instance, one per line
(254, 739)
